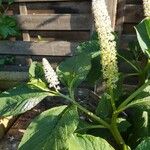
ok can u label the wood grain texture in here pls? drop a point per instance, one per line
(133, 13)
(72, 7)
(112, 9)
(55, 48)
(54, 22)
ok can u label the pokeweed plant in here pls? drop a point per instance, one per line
(121, 118)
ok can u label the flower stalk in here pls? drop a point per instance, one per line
(146, 6)
(50, 75)
(107, 43)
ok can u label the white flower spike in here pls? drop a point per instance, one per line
(50, 75)
(107, 43)
(146, 5)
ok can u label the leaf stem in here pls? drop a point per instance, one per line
(130, 98)
(93, 116)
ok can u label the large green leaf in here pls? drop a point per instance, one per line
(143, 35)
(91, 48)
(51, 130)
(74, 70)
(88, 142)
(20, 99)
(8, 26)
(144, 145)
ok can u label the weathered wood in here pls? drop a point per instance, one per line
(134, 1)
(112, 9)
(23, 11)
(133, 13)
(76, 36)
(72, 7)
(39, 0)
(55, 48)
(13, 76)
(54, 22)
(120, 17)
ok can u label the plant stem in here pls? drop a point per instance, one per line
(115, 132)
(144, 73)
(114, 128)
(93, 116)
(112, 100)
(130, 98)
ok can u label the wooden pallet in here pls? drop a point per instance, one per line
(62, 25)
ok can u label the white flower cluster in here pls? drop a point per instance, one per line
(50, 75)
(146, 6)
(107, 43)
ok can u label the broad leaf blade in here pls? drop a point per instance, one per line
(142, 100)
(51, 130)
(88, 142)
(74, 70)
(20, 99)
(144, 145)
(143, 35)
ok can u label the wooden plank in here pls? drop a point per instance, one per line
(54, 22)
(55, 48)
(40, 0)
(134, 1)
(133, 13)
(76, 36)
(120, 17)
(23, 11)
(59, 7)
(13, 76)
(112, 9)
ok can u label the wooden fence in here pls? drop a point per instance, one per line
(61, 24)
(129, 13)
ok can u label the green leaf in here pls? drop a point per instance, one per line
(36, 71)
(91, 48)
(51, 130)
(10, 2)
(104, 108)
(140, 126)
(88, 142)
(143, 103)
(20, 99)
(143, 35)
(123, 124)
(8, 26)
(74, 70)
(144, 145)
(39, 84)
(142, 100)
